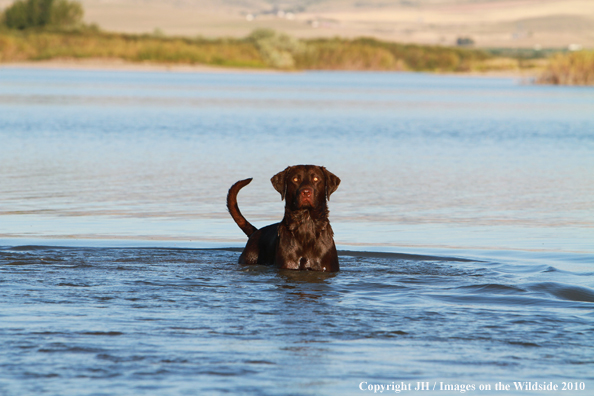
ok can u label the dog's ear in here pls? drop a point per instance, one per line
(279, 182)
(332, 182)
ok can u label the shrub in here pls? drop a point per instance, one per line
(66, 13)
(346, 55)
(277, 49)
(23, 14)
(576, 68)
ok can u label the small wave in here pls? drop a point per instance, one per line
(386, 334)
(63, 348)
(29, 374)
(28, 248)
(68, 284)
(16, 263)
(259, 362)
(492, 288)
(524, 344)
(103, 333)
(565, 292)
(402, 256)
(478, 299)
(120, 359)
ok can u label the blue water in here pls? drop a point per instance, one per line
(464, 222)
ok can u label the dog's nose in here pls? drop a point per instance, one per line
(307, 192)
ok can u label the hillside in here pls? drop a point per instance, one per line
(489, 23)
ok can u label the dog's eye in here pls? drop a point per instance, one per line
(315, 178)
(295, 179)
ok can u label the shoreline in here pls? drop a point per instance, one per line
(116, 64)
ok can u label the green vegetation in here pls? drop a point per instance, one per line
(284, 52)
(262, 49)
(89, 43)
(278, 50)
(24, 14)
(48, 29)
(372, 54)
(575, 68)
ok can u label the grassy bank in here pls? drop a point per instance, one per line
(269, 49)
(31, 45)
(262, 49)
(372, 54)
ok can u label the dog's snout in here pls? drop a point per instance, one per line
(307, 192)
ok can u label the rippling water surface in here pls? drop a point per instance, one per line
(464, 220)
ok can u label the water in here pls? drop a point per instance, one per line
(471, 196)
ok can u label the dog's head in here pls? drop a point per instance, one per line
(305, 186)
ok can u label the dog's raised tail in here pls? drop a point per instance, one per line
(234, 208)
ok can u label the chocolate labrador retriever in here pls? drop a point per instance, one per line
(303, 240)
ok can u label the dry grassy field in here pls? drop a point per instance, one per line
(489, 23)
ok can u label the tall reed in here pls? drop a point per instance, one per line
(372, 54)
(575, 68)
(39, 45)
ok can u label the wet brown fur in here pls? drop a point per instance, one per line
(303, 240)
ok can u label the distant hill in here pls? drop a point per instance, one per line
(487, 23)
